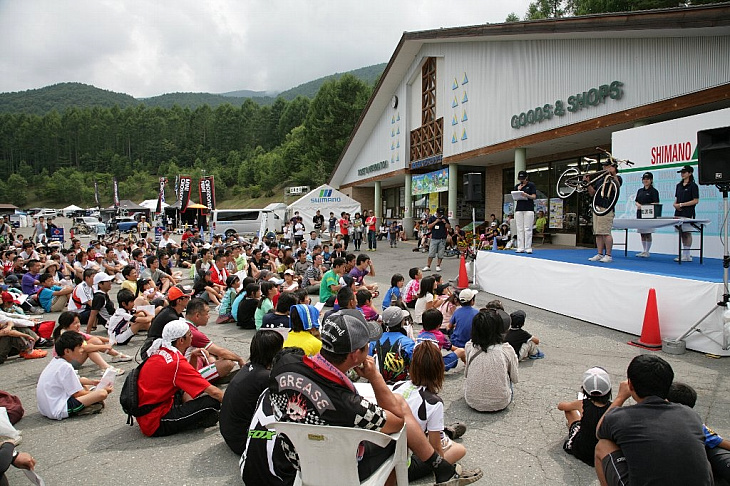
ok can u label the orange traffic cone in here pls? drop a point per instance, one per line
(463, 281)
(651, 338)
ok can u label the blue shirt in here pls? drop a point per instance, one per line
(462, 319)
(236, 302)
(46, 297)
(27, 284)
(390, 295)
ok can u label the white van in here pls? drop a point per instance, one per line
(244, 221)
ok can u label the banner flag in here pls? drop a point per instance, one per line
(96, 193)
(161, 196)
(116, 192)
(206, 190)
(177, 186)
(185, 183)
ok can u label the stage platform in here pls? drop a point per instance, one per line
(612, 294)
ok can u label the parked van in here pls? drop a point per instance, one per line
(244, 221)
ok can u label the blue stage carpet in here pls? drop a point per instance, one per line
(709, 271)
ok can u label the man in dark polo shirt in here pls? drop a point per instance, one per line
(178, 297)
(654, 441)
(437, 225)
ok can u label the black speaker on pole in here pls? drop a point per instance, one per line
(713, 156)
(473, 187)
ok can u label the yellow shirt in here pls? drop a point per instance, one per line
(130, 285)
(303, 339)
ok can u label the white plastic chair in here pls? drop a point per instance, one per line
(327, 455)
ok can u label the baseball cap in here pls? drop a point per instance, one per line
(289, 271)
(517, 318)
(686, 168)
(493, 223)
(177, 292)
(394, 315)
(102, 277)
(648, 175)
(8, 297)
(347, 330)
(596, 382)
(466, 295)
(522, 174)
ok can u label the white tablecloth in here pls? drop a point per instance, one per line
(640, 224)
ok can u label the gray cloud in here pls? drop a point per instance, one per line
(148, 48)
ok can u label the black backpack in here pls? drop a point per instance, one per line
(129, 397)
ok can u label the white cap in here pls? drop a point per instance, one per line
(102, 277)
(467, 294)
(596, 382)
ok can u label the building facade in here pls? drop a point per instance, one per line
(459, 111)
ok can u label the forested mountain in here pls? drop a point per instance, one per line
(61, 96)
(249, 148)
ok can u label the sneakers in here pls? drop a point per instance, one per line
(455, 430)
(121, 358)
(606, 259)
(529, 251)
(35, 354)
(426, 268)
(539, 355)
(13, 440)
(595, 258)
(438, 269)
(684, 259)
(643, 254)
(43, 343)
(92, 409)
(463, 476)
(519, 251)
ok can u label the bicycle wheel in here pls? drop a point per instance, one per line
(567, 182)
(608, 195)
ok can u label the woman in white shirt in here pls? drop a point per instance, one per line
(426, 299)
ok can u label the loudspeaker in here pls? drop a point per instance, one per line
(713, 156)
(473, 187)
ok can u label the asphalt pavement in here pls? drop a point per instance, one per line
(520, 445)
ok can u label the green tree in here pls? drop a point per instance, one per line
(512, 17)
(17, 190)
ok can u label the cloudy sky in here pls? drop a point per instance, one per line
(146, 48)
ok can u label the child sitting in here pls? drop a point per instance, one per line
(304, 329)
(583, 414)
(393, 294)
(432, 320)
(365, 305)
(125, 323)
(717, 448)
(421, 394)
(394, 349)
(413, 287)
(60, 392)
(93, 346)
(524, 343)
(225, 311)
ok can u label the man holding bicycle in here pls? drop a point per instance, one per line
(602, 224)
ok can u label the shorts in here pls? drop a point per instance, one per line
(74, 406)
(602, 224)
(373, 457)
(616, 469)
(572, 432)
(450, 361)
(209, 372)
(437, 248)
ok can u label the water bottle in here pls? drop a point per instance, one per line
(494, 244)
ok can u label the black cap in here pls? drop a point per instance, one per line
(686, 168)
(648, 175)
(522, 175)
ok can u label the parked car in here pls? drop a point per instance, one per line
(123, 224)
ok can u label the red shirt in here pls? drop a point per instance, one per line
(370, 223)
(218, 276)
(163, 374)
(200, 340)
(186, 235)
(343, 226)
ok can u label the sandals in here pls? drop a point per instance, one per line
(121, 358)
(35, 354)
(463, 476)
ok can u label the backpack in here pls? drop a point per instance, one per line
(393, 361)
(129, 397)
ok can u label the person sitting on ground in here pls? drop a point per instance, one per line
(364, 267)
(413, 287)
(239, 401)
(331, 282)
(102, 307)
(248, 305)
(94, 346)
(426, 299)
(185, 399)
(53, 298)
(313, 275)
(225, 311)
(125, 322)
(29, 283)
(394, 295)
(654, 441)
(16, 337)
(345, 337)
(162, 280)
(205, 289)
(460, 326)
(178, 298)
(215, 361)
(60, 393)
(717, 448)
(491, 364)
(524, 343)
(394, 349)
(582, 415)
(541, 222)
(304, 331)
(279, 318)
(365, 305)
(289, 285)
(266, 303)
(82, 296)
(432, 320)
(421, 394)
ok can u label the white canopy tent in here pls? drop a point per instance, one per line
(151, 204)
(68, 210)
(325, 198)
